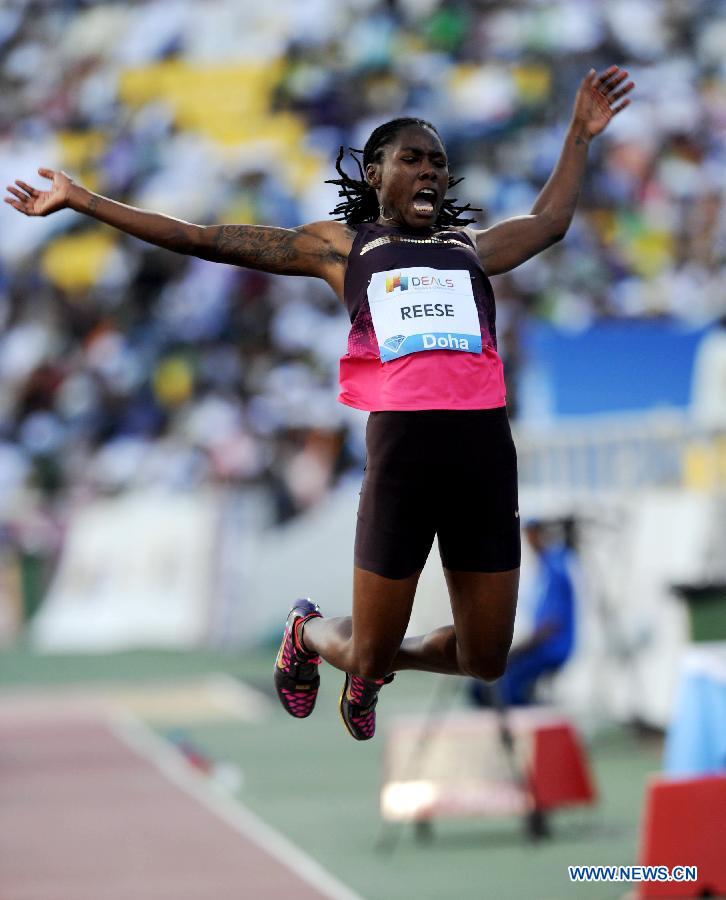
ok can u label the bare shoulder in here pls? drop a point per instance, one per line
(337, 235)
(473, 234)
(469, 230)
(507, 244)
(331, 242)
(484, 244)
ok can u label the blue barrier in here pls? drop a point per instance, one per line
(609, 367)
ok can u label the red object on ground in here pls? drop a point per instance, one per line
(685, 825)
(463, 764)
(559, 773)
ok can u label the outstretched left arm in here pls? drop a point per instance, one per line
(513, 241)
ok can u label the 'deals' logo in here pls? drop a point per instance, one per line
(428, 282)
(396, 281)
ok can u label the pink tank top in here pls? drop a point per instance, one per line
(445, 356)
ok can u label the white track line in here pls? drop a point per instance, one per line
(172, 764)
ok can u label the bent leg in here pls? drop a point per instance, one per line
(484, 605)
(370, 643)
(366, 643)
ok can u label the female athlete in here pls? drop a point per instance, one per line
(422, 360)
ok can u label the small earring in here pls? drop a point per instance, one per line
(381, 213)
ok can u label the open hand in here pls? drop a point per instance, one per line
(597, 99)
(32, 202)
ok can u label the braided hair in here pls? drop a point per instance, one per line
(359, 202)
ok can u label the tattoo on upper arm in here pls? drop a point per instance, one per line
(256, 246)
(273, 249)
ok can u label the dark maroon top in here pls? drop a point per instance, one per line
(430, 379)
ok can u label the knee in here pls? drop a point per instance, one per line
(371, 664)
(487, 670)
(488, 666)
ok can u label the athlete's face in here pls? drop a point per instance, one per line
(412, 178)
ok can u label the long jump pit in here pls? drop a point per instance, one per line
(95, 806)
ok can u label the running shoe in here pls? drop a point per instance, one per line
(358, 705)
(296, 671)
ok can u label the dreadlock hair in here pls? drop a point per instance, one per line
(360, 204)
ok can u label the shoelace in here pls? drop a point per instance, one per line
(359, 686)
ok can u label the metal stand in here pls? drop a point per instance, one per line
(536, 824)
(423, 831)
(391, 832)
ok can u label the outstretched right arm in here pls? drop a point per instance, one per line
(319, 249)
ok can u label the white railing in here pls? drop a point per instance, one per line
(603, 453)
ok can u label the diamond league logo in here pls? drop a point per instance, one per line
(394, 343)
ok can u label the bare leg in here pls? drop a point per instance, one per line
(370, 643)
(366, 643)
(477, 644)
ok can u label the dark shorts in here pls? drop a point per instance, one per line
(438, 472)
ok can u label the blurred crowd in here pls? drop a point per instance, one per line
(123, 366)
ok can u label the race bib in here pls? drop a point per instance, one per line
(419, 308)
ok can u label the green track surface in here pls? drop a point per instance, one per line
(312, 782)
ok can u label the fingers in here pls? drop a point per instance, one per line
(610, 84)
(608, 80)
(29, 189)
(46, 173)
(613, 92)
(598, 81)
(16, 193)
(16, 205)
(622, 92)
(24, 194)
(601, 80)
(608, 72)
(13, 203)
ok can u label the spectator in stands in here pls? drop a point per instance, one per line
(82, 86)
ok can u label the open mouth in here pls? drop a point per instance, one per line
(424, 201)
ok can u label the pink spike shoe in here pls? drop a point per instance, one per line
(358, 705)
(296, 671)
